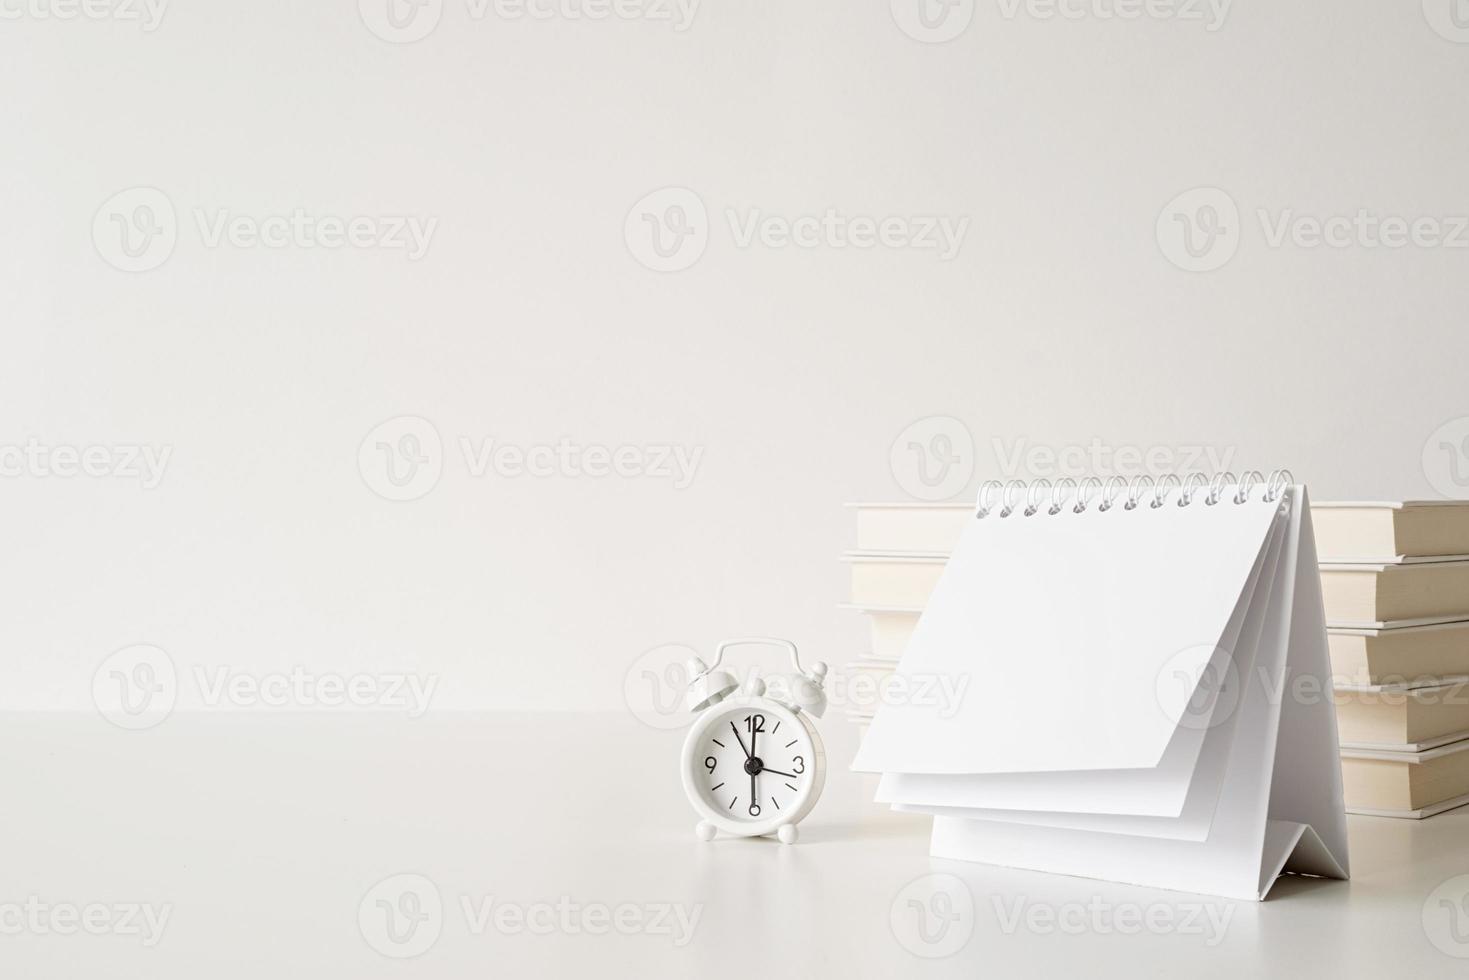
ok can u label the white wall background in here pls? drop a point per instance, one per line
(1060, 322)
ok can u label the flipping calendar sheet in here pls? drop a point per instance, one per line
(1147, 692)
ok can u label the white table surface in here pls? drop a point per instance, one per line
(263, 836)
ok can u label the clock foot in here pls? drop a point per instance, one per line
(788, 833)
(704, 830)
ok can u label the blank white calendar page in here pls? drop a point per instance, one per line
(1087, 609)
(1183, 785)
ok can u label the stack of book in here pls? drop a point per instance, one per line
(900, 554)
(1395, 580)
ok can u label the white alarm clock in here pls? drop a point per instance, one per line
(753, 763)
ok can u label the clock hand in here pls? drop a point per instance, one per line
(740, 740)
(753, 797)
(779, 773)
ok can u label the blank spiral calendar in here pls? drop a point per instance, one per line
(1147, 694)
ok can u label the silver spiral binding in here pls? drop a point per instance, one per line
(1165, 484)
(1135, 489)
(1246, 483)
(1058, 494)
(1043, 496)
(1186, 495)
(1083, 497)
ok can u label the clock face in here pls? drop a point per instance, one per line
(754, 763)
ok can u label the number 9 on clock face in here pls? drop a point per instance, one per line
(752, 765)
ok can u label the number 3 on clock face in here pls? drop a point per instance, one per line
(753, 765)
